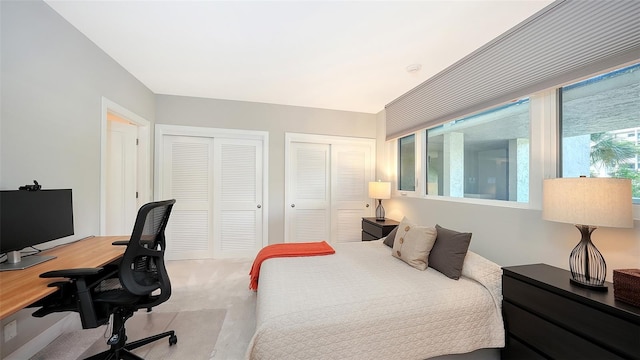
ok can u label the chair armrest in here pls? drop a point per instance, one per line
(148, 243)
(71, 273)
(59, 284)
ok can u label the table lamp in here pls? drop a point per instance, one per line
(588, 203)
(380, 190)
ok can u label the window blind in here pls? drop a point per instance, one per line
(566, 40)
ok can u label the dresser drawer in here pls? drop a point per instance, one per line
(516, 350)
(368, 237)
(372, 229)
(606, 330)
(554, 341)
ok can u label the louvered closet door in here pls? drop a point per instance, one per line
(308, 212)
(187, 170)
(351, 171)
(238, 193)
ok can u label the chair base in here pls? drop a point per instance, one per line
(124, 352)
(120, 349)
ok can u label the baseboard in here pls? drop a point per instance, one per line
(68, 323)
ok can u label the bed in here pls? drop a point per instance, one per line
(362, 303)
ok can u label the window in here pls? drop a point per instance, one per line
(407, 163)
(481, 156)
(600, 122)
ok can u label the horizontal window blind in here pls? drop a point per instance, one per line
(566, 40)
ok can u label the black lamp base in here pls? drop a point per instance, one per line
(601, 288)
(379, 211)
(588, 268)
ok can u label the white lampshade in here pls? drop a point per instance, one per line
(380, 190)
(588, 201)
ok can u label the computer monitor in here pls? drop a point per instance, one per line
(29, 218)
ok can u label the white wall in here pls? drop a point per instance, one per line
(52, 83)
(276, 120)
(509, 235)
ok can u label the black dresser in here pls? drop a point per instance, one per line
(548, 318)
(374, 230)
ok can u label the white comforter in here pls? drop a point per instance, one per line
(362, 303)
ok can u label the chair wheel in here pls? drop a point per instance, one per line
(173, 339)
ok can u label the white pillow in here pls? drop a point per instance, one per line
(413, 244)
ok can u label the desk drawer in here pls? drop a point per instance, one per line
(602, 328)
(554, 341)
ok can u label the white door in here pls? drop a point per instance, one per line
(121, 199)
(238, 191)
(351, 171)
(187, 176)
(326, 191)
(308, 196)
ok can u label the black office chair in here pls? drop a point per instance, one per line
(139, 281)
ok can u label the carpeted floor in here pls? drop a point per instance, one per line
(211, 309)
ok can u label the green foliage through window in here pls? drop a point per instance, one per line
(601, 127)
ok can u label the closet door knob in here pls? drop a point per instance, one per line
(293, 205)
(367, 205)
(259, 206)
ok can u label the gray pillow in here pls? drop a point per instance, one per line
(391, 237)
(447, 254)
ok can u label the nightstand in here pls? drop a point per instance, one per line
(548, 318)
(374, 230)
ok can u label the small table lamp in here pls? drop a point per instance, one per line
(380, 190)
(588, 203)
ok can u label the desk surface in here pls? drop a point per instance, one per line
(21, 288)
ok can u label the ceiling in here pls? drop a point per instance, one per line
(340, 55)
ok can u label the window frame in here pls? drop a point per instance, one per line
(560, 137)
(542, 130)
(545, 146)
(417, 160)
(476, 120)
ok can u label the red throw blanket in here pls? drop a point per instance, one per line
(286, 250)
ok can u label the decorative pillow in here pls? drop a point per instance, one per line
(447, 255)
(413, 243)
(391, 237)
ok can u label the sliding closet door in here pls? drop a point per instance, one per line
(307, 207)
(238, 207)
(218, 178)
(327, 187)
(187, 176)
(351, 171)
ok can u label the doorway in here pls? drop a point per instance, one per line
(125, 177)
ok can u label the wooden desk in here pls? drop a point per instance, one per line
(21, 288)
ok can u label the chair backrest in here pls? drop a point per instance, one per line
(142, 270)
